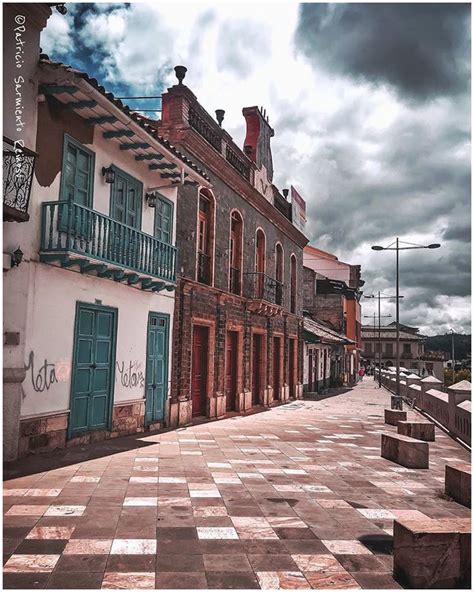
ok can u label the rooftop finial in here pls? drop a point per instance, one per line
(220, 116)
(180, 72)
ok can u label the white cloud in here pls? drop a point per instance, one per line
(57, 37)
(370, 165)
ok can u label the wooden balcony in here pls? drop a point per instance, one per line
(73, 235)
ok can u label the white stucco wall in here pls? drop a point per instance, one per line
(50, 334)
(46, 323)
(320, 375)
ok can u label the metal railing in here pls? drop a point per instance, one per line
(204, 268)
(204, 129)
(70, 227)
(18, 167)
(260, 286)
(238, 164)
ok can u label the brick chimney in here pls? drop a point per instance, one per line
(257, 139)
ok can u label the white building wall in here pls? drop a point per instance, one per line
(50, 335)
(46, 331)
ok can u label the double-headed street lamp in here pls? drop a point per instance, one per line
(379, 297)
(396, 402)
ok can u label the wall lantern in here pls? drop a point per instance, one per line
(109, 174)
(16, 257)
(151, 199)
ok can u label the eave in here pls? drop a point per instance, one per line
(76, 91)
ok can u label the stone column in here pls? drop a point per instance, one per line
(457, 393)
(12, 394)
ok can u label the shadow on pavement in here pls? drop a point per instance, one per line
(332, 392)
(57, 459)
(64, 457)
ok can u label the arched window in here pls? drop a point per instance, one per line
(259, 263)
(293, 284)
(205, 237)
(279, 273)
(235, 253)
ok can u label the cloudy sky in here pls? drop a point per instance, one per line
(370, 105)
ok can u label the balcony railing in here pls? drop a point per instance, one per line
(204, 268)
(238, 164)
(235, 287)
(204, 129)
(18, 167)
(70, 227)
(262, 287)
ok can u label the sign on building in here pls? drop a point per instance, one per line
(298, 209)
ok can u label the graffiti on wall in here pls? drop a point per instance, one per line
(43, 376)
(130, 374)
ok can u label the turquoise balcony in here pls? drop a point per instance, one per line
(73, 235)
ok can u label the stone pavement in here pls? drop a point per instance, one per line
(296, 497)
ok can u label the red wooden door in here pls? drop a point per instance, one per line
(276, 368)
(292, 373)
(256, 368)
(199, 371)
(231, 370)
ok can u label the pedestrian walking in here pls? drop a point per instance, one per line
(361, 372)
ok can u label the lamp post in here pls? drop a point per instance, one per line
(396, 401)
(452, 356)
(379, 297)
(379, 341)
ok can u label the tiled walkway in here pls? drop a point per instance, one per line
(295, 497)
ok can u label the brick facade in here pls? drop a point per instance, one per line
(214, 306)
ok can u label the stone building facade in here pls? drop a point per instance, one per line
(238, 321)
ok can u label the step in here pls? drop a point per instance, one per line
(420, 430)
(432, 553)
(457, 483)
(405, 451)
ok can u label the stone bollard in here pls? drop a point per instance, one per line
(457, 393)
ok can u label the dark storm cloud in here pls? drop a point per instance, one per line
(461, 233)
(421, 50)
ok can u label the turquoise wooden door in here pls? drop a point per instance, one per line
(156, 367)
(93, 365)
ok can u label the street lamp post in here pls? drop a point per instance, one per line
(452, 356)
(379, 341)
(396, 401)
(379, 297)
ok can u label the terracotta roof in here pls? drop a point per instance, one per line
(45, 61)
(370, 333)
(324, 333)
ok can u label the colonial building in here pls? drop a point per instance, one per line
(238, 342)
(89, 289)
(323, 356)
(332, 296)
(412, 353)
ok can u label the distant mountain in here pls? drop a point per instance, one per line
(462, 344)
